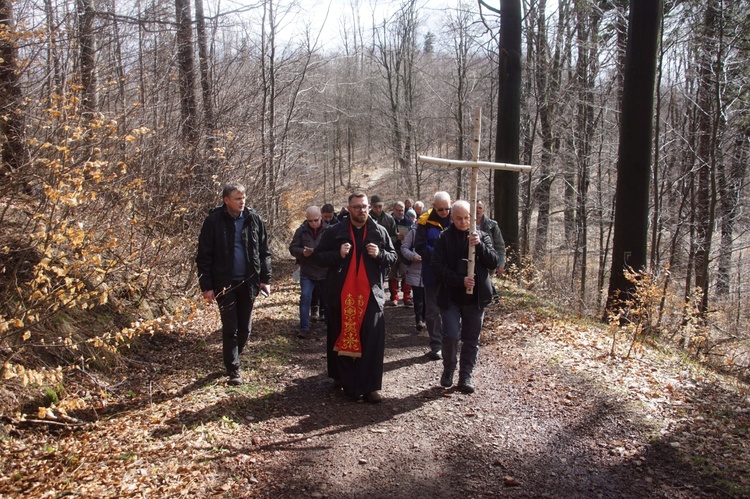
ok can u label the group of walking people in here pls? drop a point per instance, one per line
(348, 260)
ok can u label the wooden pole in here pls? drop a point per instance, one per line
(475, 165)
(472, 164)
(473, 191)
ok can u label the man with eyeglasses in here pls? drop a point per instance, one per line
(311, 275)
(356, 251)
(429, 227)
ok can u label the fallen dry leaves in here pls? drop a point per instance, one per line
(157, 429)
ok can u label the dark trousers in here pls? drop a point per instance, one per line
(236, 308)
(462, 323)
(318, 302)
(419, 307)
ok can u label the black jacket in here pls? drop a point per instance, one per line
(449, 266)
(215, 258)
(328, 254)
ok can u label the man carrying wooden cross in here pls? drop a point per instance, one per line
(462, 313)
(462, 259)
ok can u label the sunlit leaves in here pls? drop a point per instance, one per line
(643, 313)
(85, 231)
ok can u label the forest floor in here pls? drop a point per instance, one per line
(554, 415)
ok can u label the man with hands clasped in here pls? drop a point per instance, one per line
(356, 251)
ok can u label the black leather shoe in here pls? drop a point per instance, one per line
(235, 378)
(435, 355)
(466, 385)
(446, 379)
(373, 398)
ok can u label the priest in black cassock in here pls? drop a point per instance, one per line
(355, 252)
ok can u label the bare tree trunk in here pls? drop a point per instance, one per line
(587, 68)
(87, 55)
(395, 53)
(119, 69)
(460, 26)
(11, 128)
(529, 133)
(606, 205)
(54, 78)
(188, 108)
(634, 152)
(268, 109)
(708, 75)
(509, 125)
(730, 185)
(548, 77)
(209, 121)
(656, 225)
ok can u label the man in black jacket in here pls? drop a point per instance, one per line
(234, 264)
(462, 313)
(356, 251)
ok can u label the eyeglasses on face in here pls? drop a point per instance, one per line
(359, 207)
(313, 220)
(442, 209)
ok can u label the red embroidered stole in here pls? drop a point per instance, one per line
(355, 295)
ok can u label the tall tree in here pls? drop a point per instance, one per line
(505, 183)
(733, 99)
(395, 53)
(87, 62)
(548, 76)
(12, 122)
(463, 52)
(185, 66)
(209, 121)
(634, 151)
(588, 18)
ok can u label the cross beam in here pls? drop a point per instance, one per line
(475, 165)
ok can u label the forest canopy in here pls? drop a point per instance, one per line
(121, 120)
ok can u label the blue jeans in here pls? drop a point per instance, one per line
(308, 286)
(236, 308)
(462, 323)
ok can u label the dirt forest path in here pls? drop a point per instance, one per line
(553, 416)
(532, 429)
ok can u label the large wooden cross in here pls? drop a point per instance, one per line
(475, 165)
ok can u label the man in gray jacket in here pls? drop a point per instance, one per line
(311, 275)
